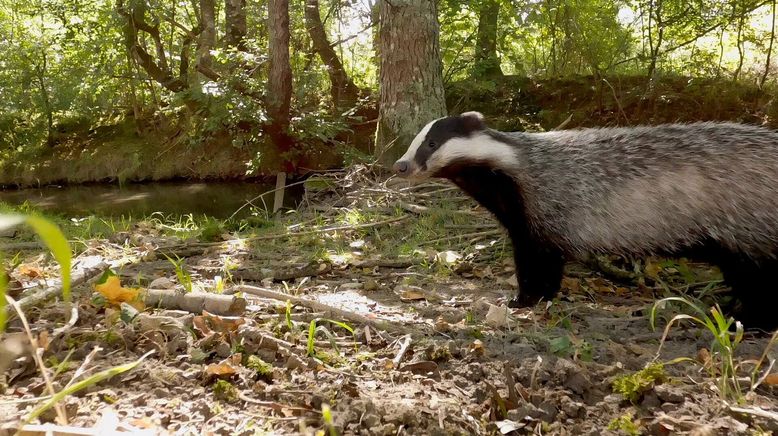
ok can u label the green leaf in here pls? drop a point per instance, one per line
(105, 275)
(56, 242)
(311, 337)
(561, 346)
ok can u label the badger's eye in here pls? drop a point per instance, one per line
(432, 144)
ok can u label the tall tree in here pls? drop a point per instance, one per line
(411, 77)
(279, 86)
(207, 39)
(486, 62)
(235, 23)
(344, 92)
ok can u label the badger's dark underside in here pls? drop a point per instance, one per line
(539, 262)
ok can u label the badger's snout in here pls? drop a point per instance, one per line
(401, 168)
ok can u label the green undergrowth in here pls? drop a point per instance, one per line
(442, 227)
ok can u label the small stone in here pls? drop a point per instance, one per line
(614, 399)
(669, 394)
(572, 409)
(669, 407)
(162, 283)
(223, 349)
(370, 285)
(350, 286)
(518, 414)
(371, 420)
(650, 400)
(549, 411)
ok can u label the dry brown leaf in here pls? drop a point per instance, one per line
(771, 379)
(30, 271)
(222, 369)
(412, 295)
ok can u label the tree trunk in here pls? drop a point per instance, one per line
(486, 62)
(344, 92)
(235, 23)
(769, 51)
(411, 82)
(279, 87)
(739, 41)
(40, 75)
(207, 39)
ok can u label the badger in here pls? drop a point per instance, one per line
(706, 191)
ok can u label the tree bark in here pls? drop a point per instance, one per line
(159, 70)
(207, 39)
(40, 76)
(769, 51)
(410, 82)
(279, 87)
(235, 23)
(486, 62)
(343, 91)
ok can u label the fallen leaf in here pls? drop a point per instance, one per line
(477, 347)
(222, 369)
(30, 271)
(508, 426)
(412, 294)
(771, 379)
(110, 287)
(497, 316)
(448, 257)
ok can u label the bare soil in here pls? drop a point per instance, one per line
(441, 353)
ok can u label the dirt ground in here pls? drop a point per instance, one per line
(411, 335)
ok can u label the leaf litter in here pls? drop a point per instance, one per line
(392, 323)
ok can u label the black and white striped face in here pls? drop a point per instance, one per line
(442, 142)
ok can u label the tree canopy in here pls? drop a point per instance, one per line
(203, 66)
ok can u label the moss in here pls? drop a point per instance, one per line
(263, 369)
(225, 391)
(633, 386)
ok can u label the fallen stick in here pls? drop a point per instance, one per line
(195, 302)
(332, 312)
(15, 246)
(403, 349)
(86, 269)
(307, 270)
(755, 412)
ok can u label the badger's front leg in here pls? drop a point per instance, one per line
(538, 269)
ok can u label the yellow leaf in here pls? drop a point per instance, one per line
(115, 294)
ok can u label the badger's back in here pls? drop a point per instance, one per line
(648, 189)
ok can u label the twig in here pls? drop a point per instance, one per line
(82, 368)
(495, 232)
(36, 355)
(616, 98)
(272, 404)
(90, 267)
(564, 123)
(755, 411)
(333, 312)
(403, 349)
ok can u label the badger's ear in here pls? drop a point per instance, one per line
(473, 121)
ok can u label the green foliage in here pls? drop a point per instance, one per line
(54, 240)
(625, 423)
(633, 386)
(723, 346)
(183, 276)
(225, 391)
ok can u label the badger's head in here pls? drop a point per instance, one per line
(449, 142)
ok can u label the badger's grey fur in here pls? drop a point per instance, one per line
(708, 190)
